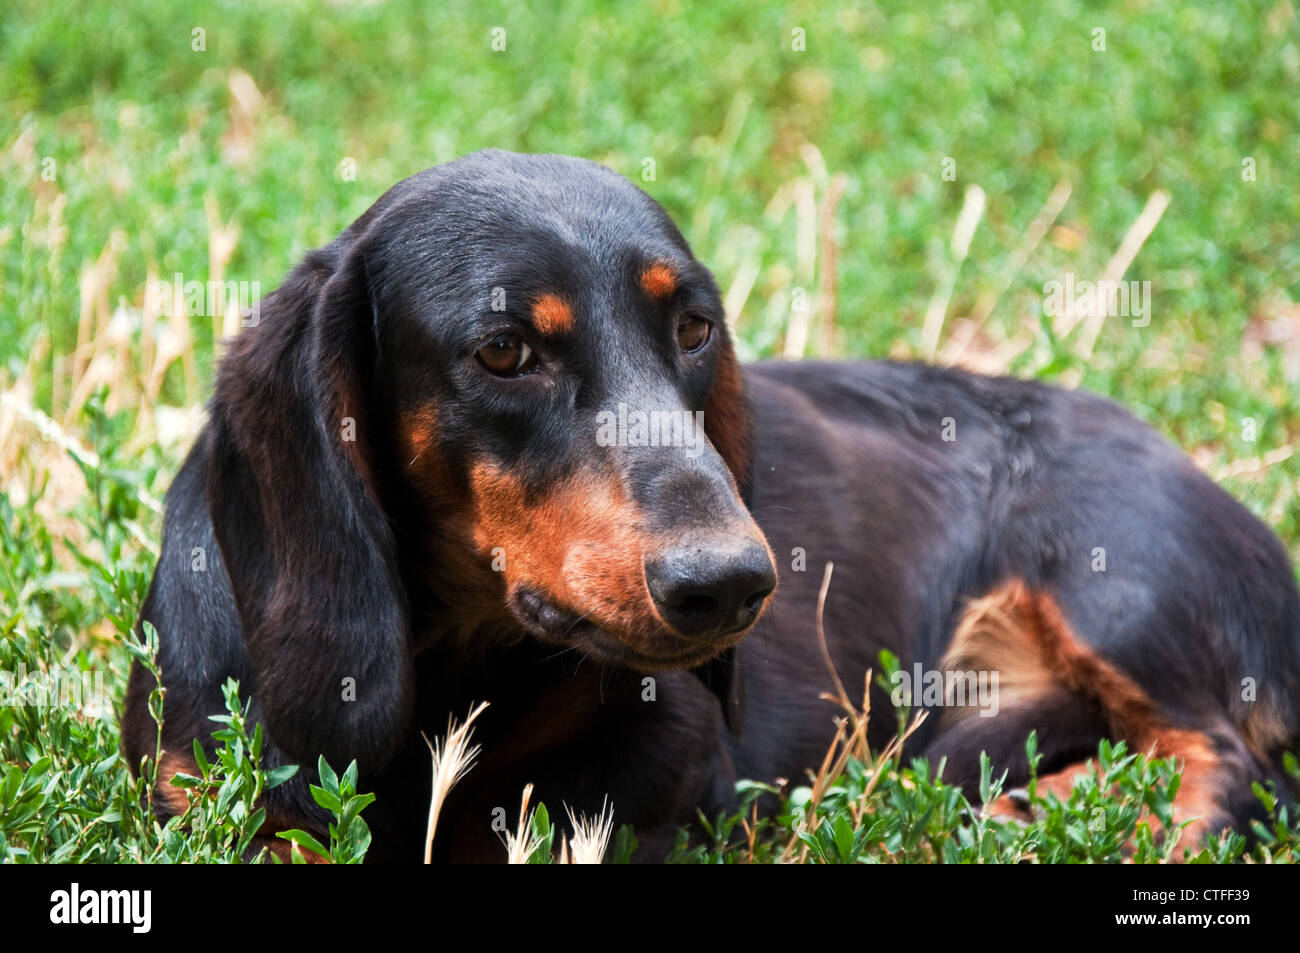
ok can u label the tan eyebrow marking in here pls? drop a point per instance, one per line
(551, 315)
(659, 280)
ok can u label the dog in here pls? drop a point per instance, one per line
(493, 443)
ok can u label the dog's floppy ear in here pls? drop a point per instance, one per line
(306, 543)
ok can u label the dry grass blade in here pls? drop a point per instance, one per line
(838, 751)
(1033, 236)
(828, 264)
(846, 743)
(52, 453)
(521, 844)
(801, 311)
(840, 694)
(963, 346)
(452, 758)
(1119, 263)
(1251, 466)
(591, 835)
(968, 219)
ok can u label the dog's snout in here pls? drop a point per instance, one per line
(711, 590)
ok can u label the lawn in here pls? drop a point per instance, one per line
(865, 181)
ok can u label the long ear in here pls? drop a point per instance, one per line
(302, 533)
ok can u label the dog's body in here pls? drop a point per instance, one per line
(460, 550)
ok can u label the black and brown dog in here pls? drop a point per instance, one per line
(429, 479)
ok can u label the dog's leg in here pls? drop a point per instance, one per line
(1052, 683)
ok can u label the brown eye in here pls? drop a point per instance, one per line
(508, 356)
(693, 333)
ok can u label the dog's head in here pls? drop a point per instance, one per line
(505, 396)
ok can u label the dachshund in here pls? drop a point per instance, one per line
(493, 443)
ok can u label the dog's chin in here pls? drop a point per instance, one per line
(548, 622)
(600, 644)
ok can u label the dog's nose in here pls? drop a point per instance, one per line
(702, 590)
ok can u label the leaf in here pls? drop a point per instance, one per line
(1265, 797)
(277, 776)
(326, 799)
(328, 779)
(301, 838)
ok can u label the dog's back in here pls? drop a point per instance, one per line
(932, 490)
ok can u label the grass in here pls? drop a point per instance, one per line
(812, 181)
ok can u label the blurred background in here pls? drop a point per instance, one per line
(866, 180)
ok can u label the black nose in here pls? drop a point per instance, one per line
(703, 590)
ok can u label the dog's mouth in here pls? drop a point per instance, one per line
(548, 621)
(544, 618)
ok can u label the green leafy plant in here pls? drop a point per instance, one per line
(348, 834)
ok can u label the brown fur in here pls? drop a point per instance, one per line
(552, 315)
(418, 435)
(173, 799)
(726, 417)
(1023, 635)
(658, 281)
(580, 542)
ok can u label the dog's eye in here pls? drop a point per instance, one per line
(508, 356)
(693, 333)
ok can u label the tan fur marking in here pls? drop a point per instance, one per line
(726, 419)
(282, 849)
(1198, 795)
(658, 281)
(992, 637)
(177, 801)
(1023, 635)
(1059, 783)
(1265, 730)
(174, 799)
(581, 542)
(419, 434)
(551, 315)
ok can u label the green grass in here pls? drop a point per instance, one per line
(126, 155)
